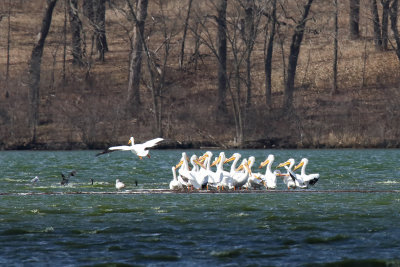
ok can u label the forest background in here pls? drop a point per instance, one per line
(85, 74)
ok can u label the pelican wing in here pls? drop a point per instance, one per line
(114, 148)
(152, 142)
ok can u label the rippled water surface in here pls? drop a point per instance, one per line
(350, 217)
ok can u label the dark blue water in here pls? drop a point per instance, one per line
(50, 224)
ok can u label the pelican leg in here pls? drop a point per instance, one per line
(140, 157)
(148, 155)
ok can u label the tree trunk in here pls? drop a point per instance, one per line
(95, 11)
(76, 29)
(335, 49)
(250, 39)
(393, 19)
(385, 23)
(136, 58)
(297, 38)
(182, 54)
(35, 66)
(101, 40)
(222, 53)
(354, 19)
(268, 58)
(377, 25)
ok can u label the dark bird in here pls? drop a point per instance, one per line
(91, 180)
(65, 180)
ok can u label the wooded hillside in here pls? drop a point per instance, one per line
(250, 73)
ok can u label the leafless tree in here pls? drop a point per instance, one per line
(95, 10)
(394, 8)
(76, 32)
(381, 36)
(139, 17)
(35, 67)
(221, 56)
(185, 28)
(295, 45)
(268, 51)
(354, 19)
(335, 48)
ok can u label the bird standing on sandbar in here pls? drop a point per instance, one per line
(141, 150)
(119, 185)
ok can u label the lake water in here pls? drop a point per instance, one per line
(350, 216)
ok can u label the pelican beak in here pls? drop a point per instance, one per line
(199, 163)
(179, 164)
(283, 164)
(298, 166)
(202, 158)
(216, 161)
(129, 142)
(229, 160)
(239, 168)
(263, 163)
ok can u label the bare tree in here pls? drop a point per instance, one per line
(221, 56)
(35, 67)
(185, 28)
(95, 10)
(335, 48)
(76, 30)
(394, 8)
(381, 36)
(8, 41)
(133, 99)
(268, 51)
(377, 25)
(354, 19)
(297, 39)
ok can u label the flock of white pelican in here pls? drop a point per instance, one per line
(200, 175)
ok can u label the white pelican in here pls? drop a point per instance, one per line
(205, 169)
(289, 177)
(35, 180)
(189, 176)
(240, 178)
(305, 179)
(221, 177)
(183, 166)
(174, 184)
(235, 157)
(119, 185)
(254, 180)
(269, 177)
(141, 150)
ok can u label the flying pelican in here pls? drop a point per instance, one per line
(141, 150)
(289, 178)
(119, 185)
(305, 179)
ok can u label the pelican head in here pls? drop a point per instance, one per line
(303, 161)
(289, 162)
(131, 141)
